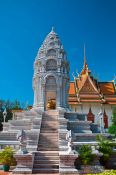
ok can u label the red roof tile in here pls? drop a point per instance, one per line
(107, 88)
(72, 88)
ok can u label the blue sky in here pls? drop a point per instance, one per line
(24, 25)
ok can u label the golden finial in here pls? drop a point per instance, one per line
(85, 66)
(84, 55)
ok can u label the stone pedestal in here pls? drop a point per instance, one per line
(67, 164)
(24, 163)
(5, 126)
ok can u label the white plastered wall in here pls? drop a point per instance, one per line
(95, 107)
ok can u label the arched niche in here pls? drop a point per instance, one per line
(50, 91)
(51, 65)
(51, 52)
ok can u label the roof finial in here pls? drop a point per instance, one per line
(53, 28)
(85, 61)
(85, 66)
(114, 79)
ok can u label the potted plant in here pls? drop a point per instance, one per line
(6, 158)
(86, 157)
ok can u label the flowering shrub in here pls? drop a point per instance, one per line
(106, 172)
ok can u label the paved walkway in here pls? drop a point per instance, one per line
(35, 174)
(4, 173)
(10, 173)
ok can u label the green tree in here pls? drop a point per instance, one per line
(16, 105)
(112, 128)
(9, 105)
(114, 116)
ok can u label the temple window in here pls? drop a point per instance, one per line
(90, 116)
(105, 117)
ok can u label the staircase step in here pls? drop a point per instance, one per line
(49, 119)
(46, 127)
(48, 142)
(47, 153)
(47, 170)
(48, 139)
(48, 135)
(47, 149)
(48, 130)
(46, 158)
(46, 162)
(44, 135)
(55, 166)
(48, 145)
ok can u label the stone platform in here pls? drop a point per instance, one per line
(47, 144)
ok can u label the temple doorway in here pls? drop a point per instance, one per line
(50, 93)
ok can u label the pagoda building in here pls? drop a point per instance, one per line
(89, 96)
(51, 74)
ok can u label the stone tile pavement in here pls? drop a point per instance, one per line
(3, 173)
(29, 174)
(10, 173)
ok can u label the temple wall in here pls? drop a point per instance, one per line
(84, 108)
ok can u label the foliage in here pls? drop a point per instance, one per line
(6, 156)
(86, 154)
(105, 146)
(106, 172)
(112, 128)
(114, 116)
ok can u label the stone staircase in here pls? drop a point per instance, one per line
(46, 158)
(83, 130)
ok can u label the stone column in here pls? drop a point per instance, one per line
(66, 94)
(58, 97)
(41, 95)
(36, 91)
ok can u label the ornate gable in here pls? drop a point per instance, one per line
(88, 86)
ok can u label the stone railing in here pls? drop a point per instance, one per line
(13, 144)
